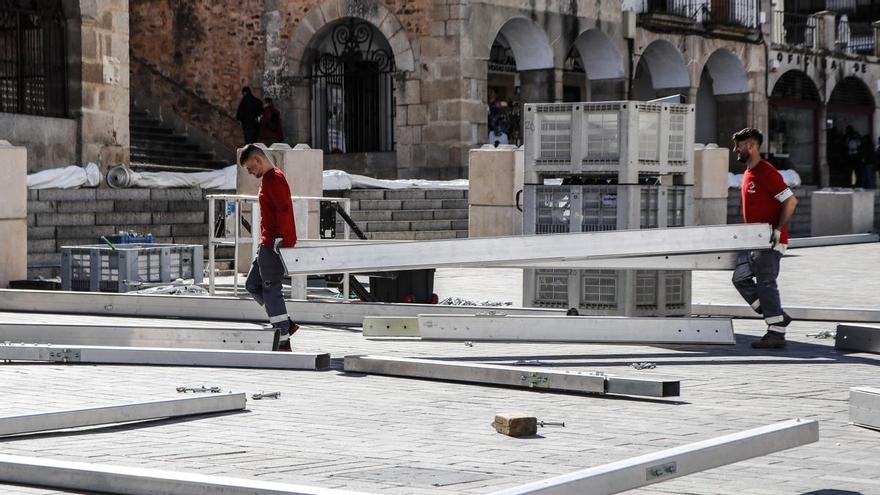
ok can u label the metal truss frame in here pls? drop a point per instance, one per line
(165, 356)
(533, 248)
(512, 376)
(676, 462)
(525, 328)
(139, 411)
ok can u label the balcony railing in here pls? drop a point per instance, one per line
(797, 30)
(854, 37)
(742, 13)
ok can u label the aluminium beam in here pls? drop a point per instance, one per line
(802, 313)
(676, 462)
(68, 329)
(699, 261)
(864, 407)
(859, 338)
(499, 250)
(594, 329)
(124, 413)
(832, 240)
(391, 326)
(512, 376)
(104, 478)
(224, 308)
(165, 356)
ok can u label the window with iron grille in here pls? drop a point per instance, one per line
(33, 71)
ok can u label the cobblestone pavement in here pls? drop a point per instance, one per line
(403, 436)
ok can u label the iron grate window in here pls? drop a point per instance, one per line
(33, 72)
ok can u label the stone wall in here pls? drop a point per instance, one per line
(47, 139)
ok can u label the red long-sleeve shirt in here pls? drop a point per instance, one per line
(276, 210)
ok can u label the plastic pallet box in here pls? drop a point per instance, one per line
(100, 268)
(622, 139)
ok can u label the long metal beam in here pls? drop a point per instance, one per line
(864, 407)
(390, 326)
(803, 313)
(699, 261)
(832, 240)
(223, 308)
(123, 480)
(499, 250)
(165, 356)
(857, 338)
(676, 462)
(75, 418)
(512, 376)
(69, 329)
(521, 328)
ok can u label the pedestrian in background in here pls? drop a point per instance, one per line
(270, 124)
(249, 109)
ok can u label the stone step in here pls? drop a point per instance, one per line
(409, 204)
(183, 162)
(418, 235)
(361, 216)
(406, 194)
(419, 225)
(141, 136)
(149, 129)
(165, 152)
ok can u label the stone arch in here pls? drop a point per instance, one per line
(727, 72)
(795, 84)
(666, 65)
(329, 12)
(528, 42)
(599, 56)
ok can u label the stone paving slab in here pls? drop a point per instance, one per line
(404, 436)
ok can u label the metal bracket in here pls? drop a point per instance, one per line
(65, 355)
(536, 380)
(661, 470)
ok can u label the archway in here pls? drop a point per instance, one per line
(520, 70)
(602, 65)
(661, 71)
(351, 88)
(850, 125)
(721, 98)
(792, 141)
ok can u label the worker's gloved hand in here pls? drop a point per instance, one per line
(775, 237)
(279, 243)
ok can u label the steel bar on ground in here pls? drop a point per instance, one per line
(139, 411)
(577, 329)
(676, 462)
(224, 308)
(512, 376)
(69, 329)
(857, 338)
(499, 250)
(864, 407)
(802, 313)
(165, 356)
(831, 240)
(123, 480)
(399, 326)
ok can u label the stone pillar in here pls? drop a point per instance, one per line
(837, 212)
(826, 30)
(13, 213)
(876, 26)
(537, 85)
(495, 176)
(822, 146)
(710, 185)
(104, 127)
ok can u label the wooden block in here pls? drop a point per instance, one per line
(516, 424)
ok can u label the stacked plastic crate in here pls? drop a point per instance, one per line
(599, 166)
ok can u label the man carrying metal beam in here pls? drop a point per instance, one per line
(277, 229)
(765, 199)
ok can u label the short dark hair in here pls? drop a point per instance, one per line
(249, 152)
(246, 89)
(749, 133)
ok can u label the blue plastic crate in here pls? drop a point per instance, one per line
(131, 239)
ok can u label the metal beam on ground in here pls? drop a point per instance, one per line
(165, 356)
(864, 407)
(70, 329)
(832, 240)
(399, 326)
(512, 376)
(597, 329)
(802, 313)
(857, 338)
(124, 480)
(501, 250)
(139, 411)
(224, 308)
(676, 462)
(701, 261)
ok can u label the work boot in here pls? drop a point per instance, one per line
(292, 328)
(284, 346)
(770, 340)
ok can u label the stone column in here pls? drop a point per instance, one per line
(495, 176)
(13, 213)
(537, 85)
(876, 26)
(710, 185)
(822, 144)
(826, 30)
(104, 127)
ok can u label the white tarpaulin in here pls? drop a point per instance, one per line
(216, 179)
(335, 180)
(65, 177)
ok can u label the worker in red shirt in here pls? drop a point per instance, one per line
(277, 229)
(765, 199)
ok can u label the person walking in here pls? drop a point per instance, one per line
(765, 199)
(270, 124)
(277, 230)
(249, 109)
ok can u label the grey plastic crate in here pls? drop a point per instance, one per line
(99, 268)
